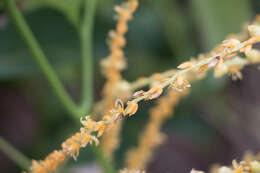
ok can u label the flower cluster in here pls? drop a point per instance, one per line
(223, 59)
(79, 140)
(112, 66)
(115, 62)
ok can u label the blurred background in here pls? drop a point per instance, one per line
(216, 123)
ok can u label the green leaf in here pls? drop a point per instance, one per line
(215, 19)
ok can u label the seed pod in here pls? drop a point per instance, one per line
(180, 83)
(131, 108)
(203, 68)
(88, 123)
(155, 92)
(85, 139)
(138, 93)
(101, 129)
(185, 65)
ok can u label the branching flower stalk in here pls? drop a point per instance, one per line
(150, 138)
(91, 129)
(113, 65)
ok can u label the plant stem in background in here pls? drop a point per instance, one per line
(41, 59)
(14, 155)
(86, 37)
(106, 165)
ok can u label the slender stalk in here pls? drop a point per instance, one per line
(14, 154)
(40, 58)
(87, 76)
(87, 54)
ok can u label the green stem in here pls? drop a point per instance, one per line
(87, 76)
(40, 58)
(87, 55)
(14, 155)
(103, 161)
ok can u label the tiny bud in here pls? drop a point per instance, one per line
(155, 92)
(185, 65)
(180, 83)
(131, 108)
(101, 130)
(138, 93)
(203, 68)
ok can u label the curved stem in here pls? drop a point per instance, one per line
(41, 59)
(14, 154)
(87, 54)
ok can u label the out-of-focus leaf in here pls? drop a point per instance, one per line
(176, 27)
(1, 4)
(216, 19)
(70, 8)
(59, 43)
